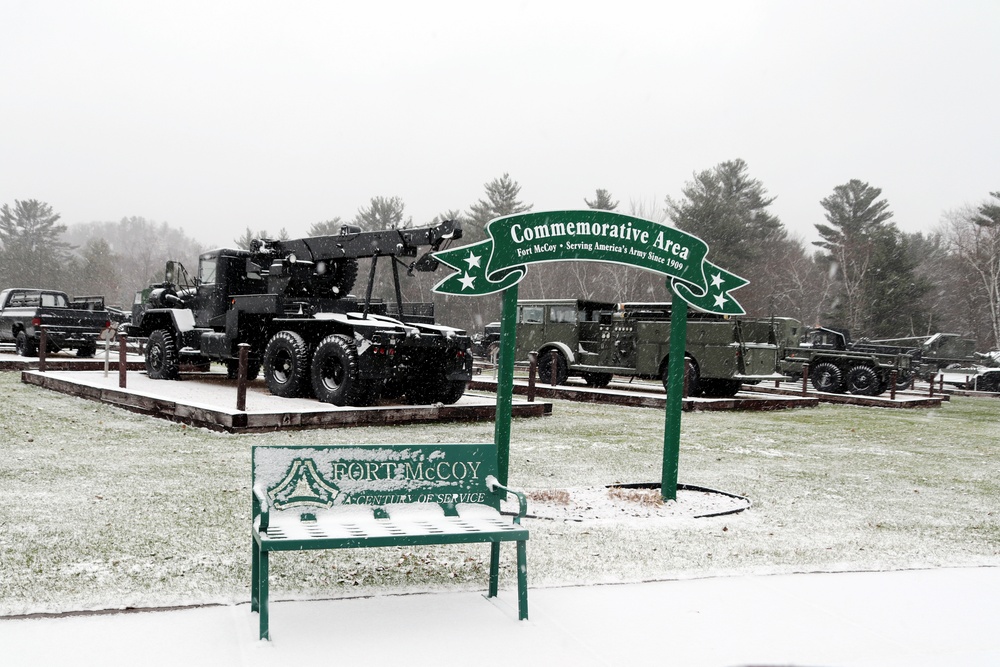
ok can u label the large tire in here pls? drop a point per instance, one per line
(334, 373)
(25, 347)
(425, 387)
(161, 355)
(597, 380)
(86, 351)
(863, 380)
(545, 362)
(827, 377)
(452, 390)
(904, 380)
(691, 374)
(720, 388)
(286, 365)
(233, 369)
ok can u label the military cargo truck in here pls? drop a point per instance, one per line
(596, 340)
(835, 365)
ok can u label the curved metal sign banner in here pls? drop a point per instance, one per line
(515, 241)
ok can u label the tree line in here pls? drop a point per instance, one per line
(864, 273)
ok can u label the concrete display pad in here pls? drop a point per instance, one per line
(67, 361)
(647, 395)
(907, 399)
(209, 400)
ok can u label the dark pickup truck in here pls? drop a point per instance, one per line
(68, 324)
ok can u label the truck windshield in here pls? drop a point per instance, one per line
(206, 271)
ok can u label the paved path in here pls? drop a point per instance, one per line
(912, 618)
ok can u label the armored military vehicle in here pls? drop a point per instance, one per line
(290, 302)
(596, 340)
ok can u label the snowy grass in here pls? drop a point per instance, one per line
(101, 508)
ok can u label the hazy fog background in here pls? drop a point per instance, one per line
(218, 116)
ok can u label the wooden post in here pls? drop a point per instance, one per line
(930, 392)
(241, 377)
(122, 363)
(805, 379)
(941, 385)
(532, 370)
(43, 339)
(552, 368)
(892, 385)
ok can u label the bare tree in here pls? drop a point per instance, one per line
(974, 238)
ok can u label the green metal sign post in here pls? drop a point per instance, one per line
(498, 263)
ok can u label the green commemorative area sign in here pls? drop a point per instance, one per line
(515, 241)
(499, 262)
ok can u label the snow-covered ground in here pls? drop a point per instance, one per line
(104, 509)
(916, 618)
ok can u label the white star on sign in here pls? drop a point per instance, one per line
(473, 260)
(468, 281)
(719, 300)
(717, 280)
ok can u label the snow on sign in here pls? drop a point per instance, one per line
(515, 241)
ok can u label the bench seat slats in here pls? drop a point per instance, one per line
(331, 534)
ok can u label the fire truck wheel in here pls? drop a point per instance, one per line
(546, 361)
(597, 379)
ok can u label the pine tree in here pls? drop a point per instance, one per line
(858, 221)
(383, 213)
(602, 201)
(326, 227)
(501, 199)
(727, 209)
(31, 252)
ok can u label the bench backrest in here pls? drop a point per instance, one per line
(317, 477)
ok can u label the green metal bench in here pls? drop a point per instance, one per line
(350, 496)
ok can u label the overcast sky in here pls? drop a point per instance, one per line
(215, 116)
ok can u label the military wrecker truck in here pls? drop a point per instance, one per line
(290, 302)
(597, 340)
(836, 365)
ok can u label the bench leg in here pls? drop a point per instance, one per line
(262, 594)
(522, 581)
(254, 574)
(494, 569)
